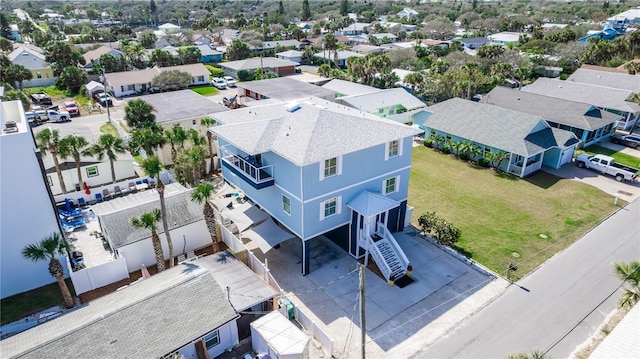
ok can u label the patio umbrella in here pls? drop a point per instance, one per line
(145, 272)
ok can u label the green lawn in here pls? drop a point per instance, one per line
(55, 93)
(500, 216)
(205, 90)
(620, 157)
(109, 128)
(27, 303)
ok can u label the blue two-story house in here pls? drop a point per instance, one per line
(320, 168)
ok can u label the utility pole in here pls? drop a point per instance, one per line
(363, 326)
(106, 101)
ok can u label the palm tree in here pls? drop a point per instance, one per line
(196, 156)
(330, 42)
(153, 168)
(138, 114)
(208, 122)
(496, 158)
(202, 194)
(630, 275)
(47, 249)
(76, 147)
(147, 139)
(176, 136)
(148, 220)
(49, 141)
(107, 146)
(470, 68)
(536, 354)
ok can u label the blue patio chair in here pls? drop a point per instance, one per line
(146, 181)
(98, 197)
(81, 202)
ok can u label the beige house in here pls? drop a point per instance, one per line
(36, 63)
(128, 83)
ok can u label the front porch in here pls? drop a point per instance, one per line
(522, 167)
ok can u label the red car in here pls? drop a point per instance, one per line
(72, 108)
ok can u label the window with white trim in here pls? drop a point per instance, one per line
(92, 171)
(330, 167)
(212, 339)
(286, 204)
(391, 185)
(330, 207)
(393, 149)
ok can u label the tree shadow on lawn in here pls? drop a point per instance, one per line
(543, 179)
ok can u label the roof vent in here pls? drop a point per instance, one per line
(292, 106)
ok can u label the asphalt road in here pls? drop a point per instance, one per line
(556, 308)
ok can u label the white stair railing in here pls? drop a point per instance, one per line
(378, 257)
(383, 232)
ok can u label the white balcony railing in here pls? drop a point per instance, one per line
(249, 166)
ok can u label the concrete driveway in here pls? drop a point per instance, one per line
(628, 191)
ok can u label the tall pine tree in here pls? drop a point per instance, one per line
(281, 8)
(306, 11)
(344, 8)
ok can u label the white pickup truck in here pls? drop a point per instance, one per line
(607, 165)
(37, 117)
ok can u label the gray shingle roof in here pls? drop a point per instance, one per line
(28, 58)
(342, 55)
(497, 127)
(115, 215)
(318, 130)
(147, 319)
(570, 113)
(286, 89)
(371, 102)
(348, 88)
(606, 79)
(179, 105)
(604, 97)
(255, 62)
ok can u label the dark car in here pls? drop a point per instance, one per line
(627, 140)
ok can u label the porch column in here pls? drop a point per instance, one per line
(524, 166)
(306, 251)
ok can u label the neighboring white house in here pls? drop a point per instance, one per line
(128, 82)
(505, 38)
(181, 310)
(169, 28)
(27, 212)
(291, 55)
(408, 13)
(184, 217)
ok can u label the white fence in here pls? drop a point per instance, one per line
(122, 132)
(124, 186)
(90, 278)
(262, 269)
(314, 329)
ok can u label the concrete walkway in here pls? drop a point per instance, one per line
(400, 321)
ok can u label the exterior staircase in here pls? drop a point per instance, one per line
(387, 254)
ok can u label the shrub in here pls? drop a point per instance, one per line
(215, 71)
(428, 143)
(483, 162)
(442, 231)
(464, 156)
(245, 75)
(446, 150)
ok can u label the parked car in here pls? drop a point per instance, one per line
(72, 108)
(607, 165)
(218, 83)
(41, 98)
(128, 93)
(230, 81)
(103, 98)
(39, 116)
(627, 140)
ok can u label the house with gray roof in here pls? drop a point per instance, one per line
(184, 217)
(589, 123)
(279, 66)
(35, 62)
(283, 89)
(528, 139)
(126, 83)
(181, 310)
(290, 55)
(606, 79)
(321, 168)
(610, 99)
(91, 57)
(395, 104)
(348, 88)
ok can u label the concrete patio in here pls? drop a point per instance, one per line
(399, 321)
(93, 249)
